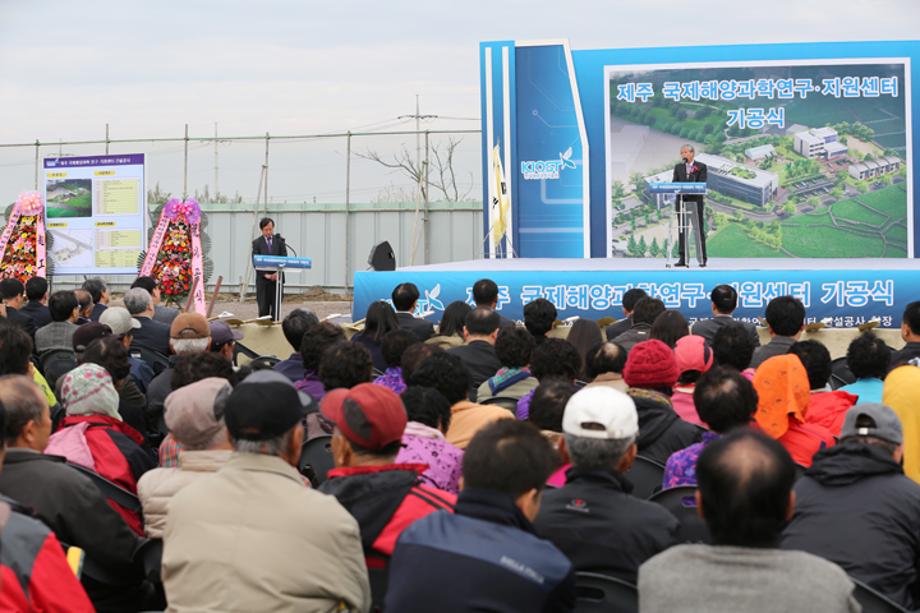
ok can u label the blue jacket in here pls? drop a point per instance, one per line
(485, 557)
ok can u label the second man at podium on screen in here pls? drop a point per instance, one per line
(690, 171)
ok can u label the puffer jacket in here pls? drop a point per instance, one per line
(856, 508)
(157, 487)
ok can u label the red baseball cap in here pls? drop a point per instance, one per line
(369, 416)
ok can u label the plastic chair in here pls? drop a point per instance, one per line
(378, 578)
(645, 475)
(153, 358)
(316, 459)
(680, 501)
(596, 593)
(505, 402)
(840, 373)
(873, 601)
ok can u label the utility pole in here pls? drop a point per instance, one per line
(418, 130)
(216, 195)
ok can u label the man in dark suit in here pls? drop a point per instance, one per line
(630, 298)
(152, 335)
(12, 292)
(724, 302)
(480, 329)
(100, 294)
(690, 171)
(268, 243)
(485, 294)
(405, 296)
(37, 307)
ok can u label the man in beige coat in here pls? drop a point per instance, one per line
(194, 416)
(253, 537)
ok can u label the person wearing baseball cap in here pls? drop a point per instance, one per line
(195, 418)
(188, 334)
(651, 372)
(223, 338)
(238, 530)
(593, 519)
(384, 497)
(856, 508)
(119, 320)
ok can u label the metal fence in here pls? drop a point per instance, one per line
(333, 196)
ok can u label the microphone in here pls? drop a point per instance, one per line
(684, 158)
(285, 244)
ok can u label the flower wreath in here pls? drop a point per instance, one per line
(176, 253)
(23, 242)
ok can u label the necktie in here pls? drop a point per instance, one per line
(269, 241)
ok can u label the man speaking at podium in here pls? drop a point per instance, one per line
(690, 171)
(267, 244)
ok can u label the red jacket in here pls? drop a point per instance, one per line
(34, 574)
(118, 455)
(828, 409)
(385, 500)
(803, 440)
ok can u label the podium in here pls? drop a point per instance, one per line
(663, 192)
(279, 264)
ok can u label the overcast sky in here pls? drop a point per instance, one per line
(295, 66)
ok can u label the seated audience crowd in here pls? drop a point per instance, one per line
(473, 464)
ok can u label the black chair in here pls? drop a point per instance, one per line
(596, 593)
(505, 402)
(378, 579)
(873, 601)
(645, 475)
(681, 503)
(263, 362)
(55, 363)
(110, 489)
(316, 459)
(153, 358)
(840, 373)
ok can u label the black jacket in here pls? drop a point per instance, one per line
(484, 557)
(595, 521)
(21, 320)
(699, 176)
(423, 330)
(855, 507)
(69, 503)
(480, 361)
(37, 312)
(98, 310)
(152, 334)
(907, 352)
(661, 431)
(614, 330)
(636, 334)
(707, 328)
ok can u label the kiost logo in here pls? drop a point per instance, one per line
(536, 170)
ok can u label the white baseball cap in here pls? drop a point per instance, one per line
(600, 412)
(119, 320)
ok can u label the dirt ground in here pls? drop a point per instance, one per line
(249, 309)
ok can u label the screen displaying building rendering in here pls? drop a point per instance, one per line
(804, 159)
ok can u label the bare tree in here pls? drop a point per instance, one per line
(442, 176)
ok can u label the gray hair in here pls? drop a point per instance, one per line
(687, 146)
(137, 300)
(23, 402)
(184, 346)
(272, 447)
(597, 453)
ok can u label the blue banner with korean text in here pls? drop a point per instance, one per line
(837, 298)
